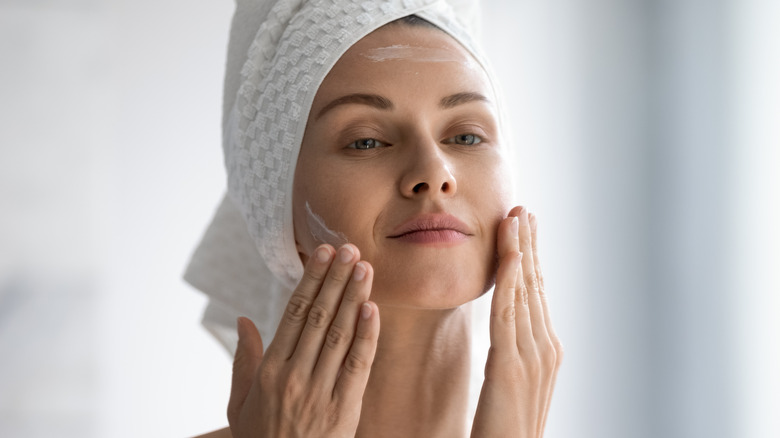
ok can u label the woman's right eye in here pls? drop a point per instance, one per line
(366, 143)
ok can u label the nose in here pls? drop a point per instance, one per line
(429, 174)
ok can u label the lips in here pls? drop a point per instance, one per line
(431, 228)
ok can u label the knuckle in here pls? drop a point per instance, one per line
(355, 364)
(291, 387)
(336, 337)
(311, 276)
(297, 308)
(352, 294)
(508, 314)
(547, 357)
(365, 336)
(339, 275)
(319, 316)
(266, 376)
(521, 294)
(530, 279)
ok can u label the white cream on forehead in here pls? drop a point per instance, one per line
(414, 53)
(321, 232)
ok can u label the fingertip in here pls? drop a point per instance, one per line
(515, 211)
(241, 327)
(366, 310)
(348, 252)
(324, 253)
(359, 271)
(372, 316)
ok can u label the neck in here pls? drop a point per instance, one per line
(420, 378)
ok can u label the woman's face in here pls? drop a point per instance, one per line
(402, 157)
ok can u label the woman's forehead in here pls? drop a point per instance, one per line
(400, 46)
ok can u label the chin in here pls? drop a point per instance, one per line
(446, 289)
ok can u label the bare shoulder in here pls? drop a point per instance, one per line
(221, 433)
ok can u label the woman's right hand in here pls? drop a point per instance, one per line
(311, 379)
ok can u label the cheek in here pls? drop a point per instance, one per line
(492, 193)
(334, 211)
(320, 230)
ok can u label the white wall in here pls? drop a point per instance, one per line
(110, 170)
(646, 136)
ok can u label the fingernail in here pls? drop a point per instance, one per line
(322, 254)
(345, 254)
(515, 226)
(239, 328)
(524, 215)
(359, 273)
(365, 311)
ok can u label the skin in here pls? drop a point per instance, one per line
(328, 371)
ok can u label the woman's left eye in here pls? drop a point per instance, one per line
(466, 139)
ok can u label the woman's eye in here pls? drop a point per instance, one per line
(466, 139)
(366, 143)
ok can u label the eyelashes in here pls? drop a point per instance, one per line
(465, 139)
(373, 143)
(366, 143)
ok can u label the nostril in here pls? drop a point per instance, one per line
(445, 186)
(420, 187)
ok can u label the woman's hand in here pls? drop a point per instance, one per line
(525, 353)
(310, 381)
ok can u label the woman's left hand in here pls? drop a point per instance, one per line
(525, 353)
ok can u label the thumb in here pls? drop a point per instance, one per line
(249, 354)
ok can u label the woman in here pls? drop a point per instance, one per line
(400, 211)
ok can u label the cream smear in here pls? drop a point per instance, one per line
(412, 53)
(321, 232)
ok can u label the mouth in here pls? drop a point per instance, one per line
(431, 228)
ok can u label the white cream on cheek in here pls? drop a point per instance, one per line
(321, 232)
(413, 53)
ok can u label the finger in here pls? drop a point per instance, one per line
(525, 342)
(249, 355)
(502, 310)
(290, 327)
(542, 293)
(531, 283)
(555, 351)
(351, 383)
(325, 306)
(342, 330)
(534, 246)
(507, 242)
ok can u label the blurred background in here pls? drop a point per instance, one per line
(648, 139)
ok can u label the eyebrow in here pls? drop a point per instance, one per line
(383, 103)
(373, 100)
(461, 98)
